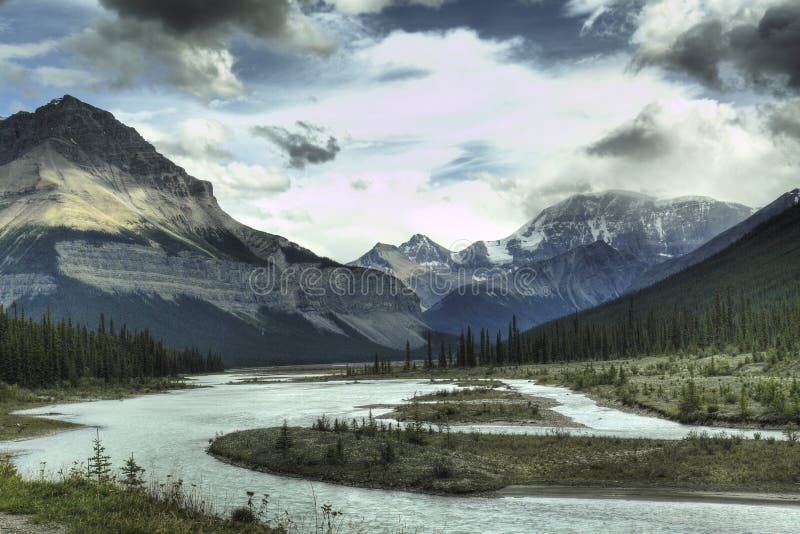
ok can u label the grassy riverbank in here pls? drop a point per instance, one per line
(713, 389)
(14, 399)
(89, 507)
(759, 390)
(418, 459)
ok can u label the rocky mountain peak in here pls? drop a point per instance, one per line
(422, 250)
(92, 138)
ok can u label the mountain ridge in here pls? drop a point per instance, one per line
(91, 212)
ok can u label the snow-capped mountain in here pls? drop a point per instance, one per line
(649, 229)
(424, 265)
(719, 243)
(583, 251)
(583, 277)
(93, 219)
(645, 230)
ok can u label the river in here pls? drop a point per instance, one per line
(168, 434)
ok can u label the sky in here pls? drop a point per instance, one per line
(342, 123)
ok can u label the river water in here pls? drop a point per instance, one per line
(168, 434)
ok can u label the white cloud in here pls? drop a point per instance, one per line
(358, 7)
(661, 22)
(400, 132)
(710, 149)
(26, 50)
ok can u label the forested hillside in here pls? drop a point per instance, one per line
(746, 298)
(45, 353)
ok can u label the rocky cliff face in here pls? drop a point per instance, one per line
(90, 213)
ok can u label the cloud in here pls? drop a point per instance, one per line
(199, 139)
(772, 48)
(759, 41)
(306, 145)
(281, 20)
(359, 185)
(26, 50)
(200, 145)
(360, 7)
(128, 53)
(186, 44)
(696, 52)
(402, 74)
(474, 158)
(715, 149)
(783, 120)
(296, 215)
(642, 138)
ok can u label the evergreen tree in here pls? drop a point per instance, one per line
(442, 356)
(429, 361)
(99, 464)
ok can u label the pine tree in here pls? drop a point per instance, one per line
(132, 474)
(284, 440)
(429, 361)
(408, 356)
(99, 464)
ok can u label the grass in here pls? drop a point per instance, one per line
(758, 390)
(714, 389)
(13, 398)
(479, 405)
(89, 507)
(469, 394)
(462, 463)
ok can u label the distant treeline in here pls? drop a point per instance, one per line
(47, 353)
(745, 299)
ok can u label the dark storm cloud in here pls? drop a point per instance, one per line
(186, 43)
(641, 139)
(772, 47)
(696, 52)
(783, 120)
(307, 145)
(766, 55)
(260, 18)
(125, 53)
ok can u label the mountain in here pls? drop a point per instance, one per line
(580, 278)
(93, 219)
(561, 245)
(721, 242)
(745, 296)
(428, 268)
(651, 230)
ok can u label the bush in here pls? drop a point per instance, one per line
(243, 514)
(441, 469)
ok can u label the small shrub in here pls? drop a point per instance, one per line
(243, 514)
(284, 441)
(388, 454)
(441, 469)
